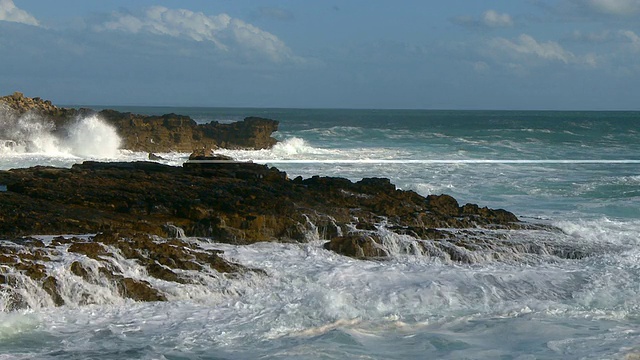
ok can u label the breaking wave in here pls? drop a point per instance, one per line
(91, 136)
(87, 136)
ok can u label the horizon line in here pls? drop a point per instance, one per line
(249, 107)
(419, 161)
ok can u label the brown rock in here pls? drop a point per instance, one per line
(359, 246)
(139, 290)
(169, 132)
(90, 249)
(444, 205)
(50, 285)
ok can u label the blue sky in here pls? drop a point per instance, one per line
(455, 54)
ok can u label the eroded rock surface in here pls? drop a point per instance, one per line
(99, 262)
(169, 132)
(231, 202)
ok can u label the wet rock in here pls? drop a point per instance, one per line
(443, 204)
(239, 203)
(163, 273)
(164, 259)
(208, 154)
(139, 290)
(79, 270)
(169, 132)
(359, 246)
(50, 285)
(90, 249)
(154, 157)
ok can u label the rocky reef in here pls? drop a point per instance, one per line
(26, 263)
(234, 202)
(147, 212)
(169, 132)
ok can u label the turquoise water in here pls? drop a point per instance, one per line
(579, 171)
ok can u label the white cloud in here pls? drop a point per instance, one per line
(226, 33)
(529, 51)
(489, 19)
(633, 38)
(9, 12)
(492, 18)
(528, 46)
(614, 7)
(591, 37)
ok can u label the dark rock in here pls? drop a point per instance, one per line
(444, 205)
(79, 270)
(90, 249)
(50, 285)
(359, 246)
(169, 132)
(154, 157)
(139, 290)
(234, 202)
(161, 258)
(208, 155)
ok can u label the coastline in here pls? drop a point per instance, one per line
(232, 202)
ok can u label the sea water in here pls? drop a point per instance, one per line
(579, 171)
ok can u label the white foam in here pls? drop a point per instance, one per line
(310, 292)
(86, 137)
(15, 323)
(92, 137)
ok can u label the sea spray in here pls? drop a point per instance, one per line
(87, 136)
(78, 271)
(92, 137)
(27, 133)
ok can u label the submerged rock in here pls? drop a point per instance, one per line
(99, 259)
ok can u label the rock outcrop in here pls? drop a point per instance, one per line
(22, 104)
(142, 212)
(228, 201)
(169, 132)
(95, 265)
(172, 132)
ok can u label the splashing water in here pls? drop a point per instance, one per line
(30, 133)
(91, 136)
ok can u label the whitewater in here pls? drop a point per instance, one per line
(578, 171)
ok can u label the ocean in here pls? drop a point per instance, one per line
(578, 171)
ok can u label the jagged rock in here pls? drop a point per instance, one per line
(138, 290)
(208, 154)
(234, 202)
(172, 132)
(359, 246)
(443, 204)
(161, 259)
(21, 104)
(50, 285)
(154, 157)
(169, 132)
(90, 249)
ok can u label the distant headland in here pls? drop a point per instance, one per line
(165, 133)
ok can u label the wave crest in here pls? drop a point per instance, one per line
(93, 137)
(87, 136)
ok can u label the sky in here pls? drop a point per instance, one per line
(399, 54)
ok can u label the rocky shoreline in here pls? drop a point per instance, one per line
(165, 133)
(146, 213)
